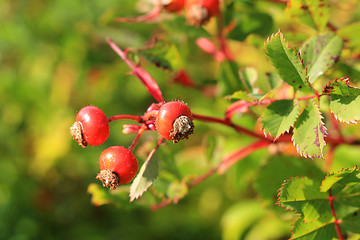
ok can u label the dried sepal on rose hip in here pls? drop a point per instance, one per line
(91, 127)
(118, 165)
(174, 121)
(199, 12)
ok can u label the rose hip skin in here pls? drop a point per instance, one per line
(118, 165)
(200, 11)
(174, 5)
(91, 127)
(174, 121)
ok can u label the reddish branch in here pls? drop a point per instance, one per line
(139, 72)
(336, 221)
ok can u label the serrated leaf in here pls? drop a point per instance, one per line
(309, 132)
(322, 228)
(344, 176)
(146, 176)
(303, 196)
(351, 222)
(319, 53)
(279, 116)
(280, 168)
(287, 62)
(344, 100)
(162, 54)
(351, 35)
(179, 25)
(314, 13)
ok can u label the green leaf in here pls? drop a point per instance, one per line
(351, 35)
(314, 13)
(279, 168)
(351, 222)
(146, 176)
(279, 116)
(319, 53)
(251, 23)
(287, 62)
(322, 228)
(248, 76)
(301, 194)
(162, 54)
(229, 78)
(344, 176)
(179, 25)
(309, 132)
(344, 100)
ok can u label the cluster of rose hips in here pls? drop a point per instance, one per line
(197, 12)
(118, 165)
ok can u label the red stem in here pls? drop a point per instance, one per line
(150, 84)
(336, 221)
(222, 39)
(137, 138)
(230, 124)
(125, 117)
(330, 157)
(240, 154)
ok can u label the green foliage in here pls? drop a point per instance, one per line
(344, 100)
(54, 59)
(309, 132)
(287, 62)
(320, 53)
(279, 116)
(314, 201)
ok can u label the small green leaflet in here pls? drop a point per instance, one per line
(314, 13)
(309, 132)
(146, 176)
(319, 53)
(279, 116)
(317, 221)
(302, 195)
(162, 54)
(344, 177)
(287, 62)
(344, 100)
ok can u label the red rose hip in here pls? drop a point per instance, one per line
(118, 165)
(91, 127)
(198, 12)
(174, 121)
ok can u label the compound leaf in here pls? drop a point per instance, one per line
(319, 53)
(287, 62)
(344, 177)
(344, 100)
(301, 194)
(309, 132)
(279, 116)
